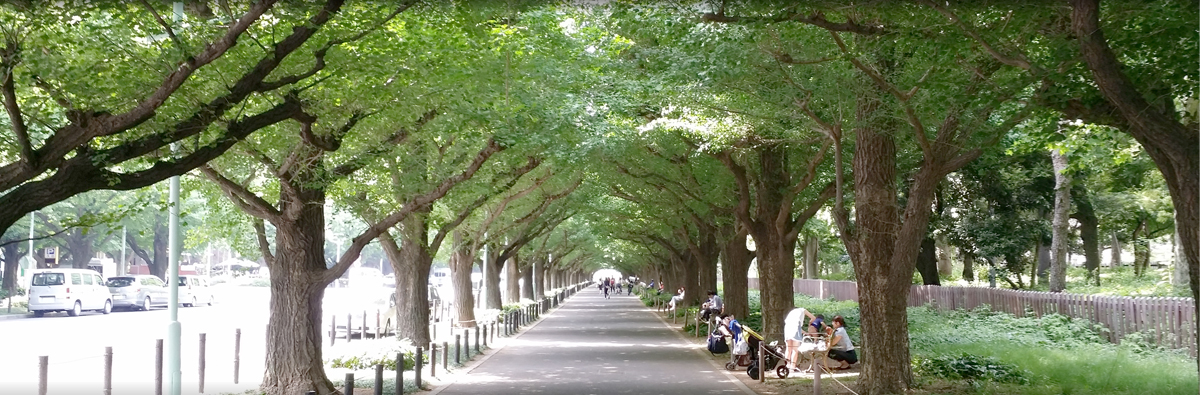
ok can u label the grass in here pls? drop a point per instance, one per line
(1056, 355)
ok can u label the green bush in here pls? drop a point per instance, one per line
(365, 354)
(970, 367)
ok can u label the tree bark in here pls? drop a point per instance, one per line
(411, 262)
(1169, 143)
(492, 299)
(812, 269)
(1062, 207)
(968, 272)
(1179, 276)
(12, 260)
(462, 260)
(1089, 234)
(538, 275)
(927, 262)
(735, 264)
(1042, 264)
(945, 261)
(1114, 261)
(512, 292)
(527, 281)
(1141, 248)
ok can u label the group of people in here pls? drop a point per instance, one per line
(611, 285)
(840, 347)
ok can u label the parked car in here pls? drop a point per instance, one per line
(69, 290)
(138, 292)
(194, 291)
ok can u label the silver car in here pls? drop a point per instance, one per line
(137, 292)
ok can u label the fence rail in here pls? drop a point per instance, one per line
(1168, 322)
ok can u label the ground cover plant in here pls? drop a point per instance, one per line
(983, 351)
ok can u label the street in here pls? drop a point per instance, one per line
(75, 345)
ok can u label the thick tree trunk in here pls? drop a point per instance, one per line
(776, 246)
(527, 282)
(411, 262)
(927, 262)
(492, 278)
(735, 264)
(945, 261)
(1062, 207)
(1089, 234)
(512, 292)
(1141, 249)
(294, 364)
(80, 246)
(539, 277)
(461, 263)
(1170, 144)
(1179, 276)
(12, 260)
(812, 269)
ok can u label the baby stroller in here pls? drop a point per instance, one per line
(772, 356)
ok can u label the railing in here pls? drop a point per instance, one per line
(1168, 322)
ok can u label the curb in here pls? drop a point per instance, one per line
(699, 350)
(13, 316)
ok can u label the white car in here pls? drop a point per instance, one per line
(194, 291)
(69, 290)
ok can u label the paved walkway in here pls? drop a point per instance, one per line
(593, 345)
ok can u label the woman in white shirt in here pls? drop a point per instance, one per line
(841, 349)
(793, 333)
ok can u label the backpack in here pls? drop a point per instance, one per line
(717, 344)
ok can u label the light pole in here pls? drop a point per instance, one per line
(174, 328)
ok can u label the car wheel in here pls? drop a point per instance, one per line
(193, 304)
(75, 310)
(210, 300)
(107, 307)
(39, 313)
(146, 304)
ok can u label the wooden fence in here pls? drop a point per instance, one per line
(1169, 322)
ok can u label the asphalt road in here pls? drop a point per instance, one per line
(75, 345)
(593, 345)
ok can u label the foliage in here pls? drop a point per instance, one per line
(366, 354)
(970, 367)
(1123, 282)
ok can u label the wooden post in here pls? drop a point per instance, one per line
(457, 349)
(418, 363)
(399, 374)
(445, 356)
(349, 384)
(378, 321)
(108, 370)
(762, 366)
(158, 366)
(203, 341)
(433, 354)
(477, 339)
(817, 368)
(237, 353)
(332, 329)
(484, 337)
(44, 372)
(379, 377)
(349, 326)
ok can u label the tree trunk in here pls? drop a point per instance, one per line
(527, 282)
(776, 247)
(462, 260)
(492, 298)
(968, 272)
(1170, 144)
(1115, 261)
(539, 277)
(735, 263)
(512, 292)
(1062, 207)
(1141, 249)
(294, 364)
(12, 260)
(1042, 265)
(927, 262)
(1089, 234)
(945, 261)
(411, 262)
(1179, 277)
(812, 270)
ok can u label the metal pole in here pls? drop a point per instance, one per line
(158, 366)
(124, 246)
(175, 243)
(483, 270)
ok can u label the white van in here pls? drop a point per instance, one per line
(69, 290)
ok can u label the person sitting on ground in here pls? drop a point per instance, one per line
(793, 333)
(841, 349)
(714, 305)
